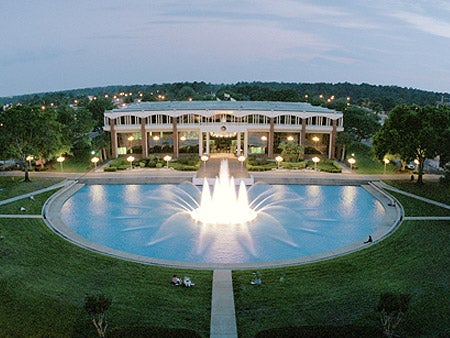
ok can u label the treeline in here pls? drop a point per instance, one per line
(375, 97)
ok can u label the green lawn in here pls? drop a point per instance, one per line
(12, 186)
(43, 281)
(345, 291)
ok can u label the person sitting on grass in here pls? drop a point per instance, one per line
(176, 280)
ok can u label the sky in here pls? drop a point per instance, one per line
(52, 45)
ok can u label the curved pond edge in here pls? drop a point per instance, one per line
(394, 215)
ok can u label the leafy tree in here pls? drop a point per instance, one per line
(97, 306)
(30, 131)
(361, 123)
(343, 140)
(185, 93)
(77, 124)
(291, 151)
(97, 107)
(415, 133)
(392, 307)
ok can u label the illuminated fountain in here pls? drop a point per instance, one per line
(220, 222)
(224, 206)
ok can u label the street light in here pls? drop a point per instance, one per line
(29, 159)
(290, 138)
(316, 160)
(352, 161)
(242, 160)
(167, 158)
(130, 159)
(61, 159)
(279, 159)
(204, 158)
(386, 161)
(95, 160)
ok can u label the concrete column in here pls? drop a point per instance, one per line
(333, 141)
(175, 137)
(207, 143)
(144, 139)
(112, 123)
(200, 143)
(246, 143)
(239, 144)
(271, 139)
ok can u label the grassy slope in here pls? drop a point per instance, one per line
(12, 186)
(43, 281)
(415, 260)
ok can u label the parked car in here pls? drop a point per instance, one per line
(410, 166)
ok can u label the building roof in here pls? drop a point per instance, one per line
(225, 105)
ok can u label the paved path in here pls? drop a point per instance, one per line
(223, 318)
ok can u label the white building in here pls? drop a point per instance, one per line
(204, 127)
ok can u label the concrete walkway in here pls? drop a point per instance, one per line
(223, 317)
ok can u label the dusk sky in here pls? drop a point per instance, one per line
(51, 45)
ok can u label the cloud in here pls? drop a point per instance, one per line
(427, 24)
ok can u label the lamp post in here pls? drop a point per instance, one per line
(61, 159)
(316, 160)
(167, 158)
(352, 161)
(279, 159)
(386, 161)
(130, 159)
(242, 160)
(95, 160)
(204, 158)
(29, 159)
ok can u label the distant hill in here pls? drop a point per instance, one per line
(376, 97)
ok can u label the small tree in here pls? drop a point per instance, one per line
(97, 306)
(392, 308)
(291, 151)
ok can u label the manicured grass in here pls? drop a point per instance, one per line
(32, 206)
(367, 163)
(432, 190)
(12, 186)
(424, 209)
(345, 291)
(44, 279)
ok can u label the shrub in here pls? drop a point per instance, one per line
(110, 168)
(294, 165)
(123, 167)
(266, 167)
(190, 160)
(255, 160)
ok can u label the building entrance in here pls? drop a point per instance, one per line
(223, 142)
